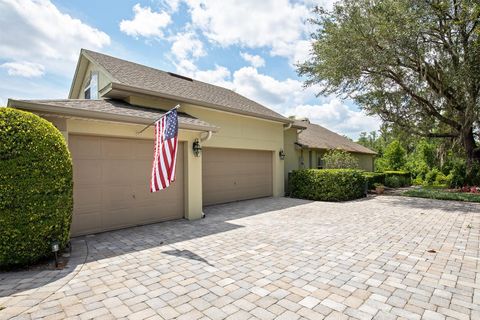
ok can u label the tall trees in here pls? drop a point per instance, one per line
(415, 63)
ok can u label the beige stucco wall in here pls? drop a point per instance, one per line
(365, 161)
(291, 156)
(235, 132)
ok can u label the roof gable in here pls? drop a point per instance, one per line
(82, 76)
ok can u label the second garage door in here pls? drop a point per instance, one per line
(235, 174)
(111, 185)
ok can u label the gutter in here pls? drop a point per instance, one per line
(89, 114)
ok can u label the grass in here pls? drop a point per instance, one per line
(442, 194)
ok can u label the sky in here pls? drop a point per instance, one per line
(248, 46)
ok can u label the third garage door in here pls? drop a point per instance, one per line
(235, 174)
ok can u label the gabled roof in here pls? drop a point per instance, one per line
(137, 78)
(107, 109)
(318, 137)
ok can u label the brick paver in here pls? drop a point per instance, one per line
(275, 258)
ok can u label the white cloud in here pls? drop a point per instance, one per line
(24, 69)
(187, 45)
(277, 24)
(39, 33)
(145, 23)
(255, 60)
(273, 93)
(296, 52)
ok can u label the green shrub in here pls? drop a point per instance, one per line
(340, 159)
(395, 156)
(442, 179)
(393, 182)
(397, 179)
(327, 184)
(418, 181)
(374, 178)
(430, 176)
(35, 188)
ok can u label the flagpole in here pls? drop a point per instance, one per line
(150, 124)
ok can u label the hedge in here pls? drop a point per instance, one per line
(327, 184)
(373, 178)
(36, 186)
(397, 179)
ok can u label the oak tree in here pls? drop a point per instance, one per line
(415, 63)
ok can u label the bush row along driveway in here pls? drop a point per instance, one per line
(270, 258)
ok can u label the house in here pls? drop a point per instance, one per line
(306, 143)
(110, 103)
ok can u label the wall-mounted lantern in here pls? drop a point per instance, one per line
(281, 154)
(197, 149)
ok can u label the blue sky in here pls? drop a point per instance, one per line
(248, 46)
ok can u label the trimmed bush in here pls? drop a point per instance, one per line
(327, 184)
(36, 198)
(374, 178)
(340, 159)
(397, 179)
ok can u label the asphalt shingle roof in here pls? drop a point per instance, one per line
(318, 137)
(115, 107)
(164, 83)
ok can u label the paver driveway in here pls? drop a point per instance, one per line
(270, 258)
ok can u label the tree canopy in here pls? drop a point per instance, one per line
(415, 63)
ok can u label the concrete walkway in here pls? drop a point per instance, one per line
(270, 259)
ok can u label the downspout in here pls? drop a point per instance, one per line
(207, 137)
(288, 127)
(202, 139)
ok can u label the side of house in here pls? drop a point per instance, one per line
(306, 144)
(230, 147)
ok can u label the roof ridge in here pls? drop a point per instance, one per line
(163, 71)
(344, 139)
(136, 76)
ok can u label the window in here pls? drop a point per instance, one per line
(320, 163)
(91, 89)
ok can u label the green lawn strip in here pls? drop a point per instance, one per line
(442, 194)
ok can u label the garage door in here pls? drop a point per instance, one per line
(111, 185)
(231, 175)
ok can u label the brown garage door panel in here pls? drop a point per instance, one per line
(111, 185)
(235, 174)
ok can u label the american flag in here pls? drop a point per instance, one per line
(165, 158)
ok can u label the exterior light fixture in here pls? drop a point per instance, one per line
(197, 149)
(281, 154)
(55, 248)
